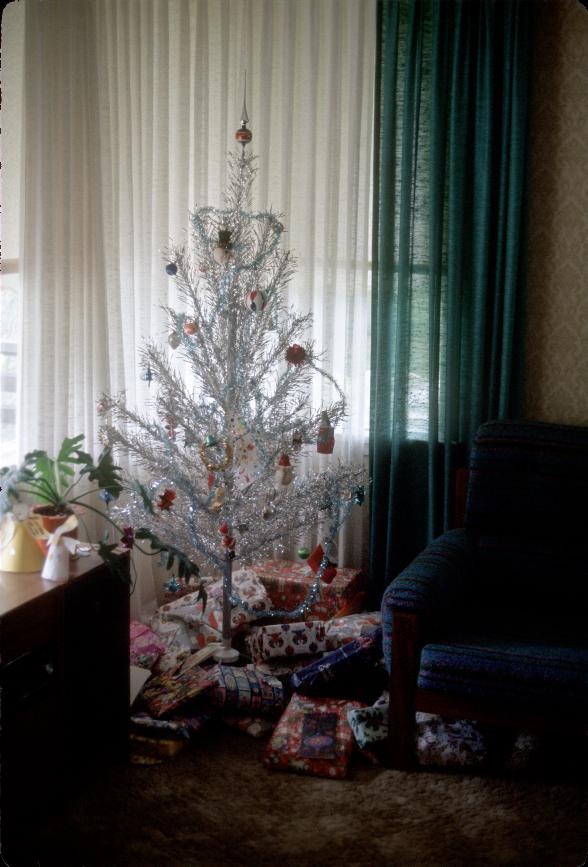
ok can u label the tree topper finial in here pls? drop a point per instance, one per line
(244, 135)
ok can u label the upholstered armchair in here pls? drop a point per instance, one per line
(490, 621)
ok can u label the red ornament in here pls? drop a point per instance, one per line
(284, 460)
(296, 354)
(211, 480)
(224, 528)
(243, 135)
(229, 542)
(190, 327)
(166, 499)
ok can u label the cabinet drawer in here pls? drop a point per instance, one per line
(30, 627)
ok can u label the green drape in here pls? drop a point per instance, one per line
(449, 272)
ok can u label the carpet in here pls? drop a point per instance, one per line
(215, 804)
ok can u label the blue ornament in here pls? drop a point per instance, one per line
(359, 496)
(106, 496)
(171, 269)
(147, 374)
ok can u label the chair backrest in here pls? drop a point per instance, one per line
(529, 479)
(527, 507)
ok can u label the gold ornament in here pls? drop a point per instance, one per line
(214, 468)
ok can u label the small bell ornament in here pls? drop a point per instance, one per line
(284, 471)
(326, 436)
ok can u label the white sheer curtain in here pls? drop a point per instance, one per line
(129, 109)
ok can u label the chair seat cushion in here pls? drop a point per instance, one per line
(515, 670)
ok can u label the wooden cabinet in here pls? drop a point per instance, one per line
(64, 701)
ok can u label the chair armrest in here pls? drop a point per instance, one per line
(434, 582)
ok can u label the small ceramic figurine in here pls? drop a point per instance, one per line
(326, 436)
(284, 471)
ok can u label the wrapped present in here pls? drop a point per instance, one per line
(287, 584)
(166, 692)
(255, 726)
(449, 742)
(177, 725)
(370, 724)
(246, 689)
(143, 746)
(313, 736)
(352, 671)
(176, 588)
(176, 639)
(146, 647)
(204, 622)
(286, 640)
(342, 630)
(283, 667)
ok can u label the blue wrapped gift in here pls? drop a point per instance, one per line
(353, 670)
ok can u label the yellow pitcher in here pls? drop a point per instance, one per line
(18, 550)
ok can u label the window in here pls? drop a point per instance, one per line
(10, 144)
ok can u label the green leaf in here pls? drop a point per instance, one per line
(69, 450)
(147, 502)
(105, 473)
(185, 566)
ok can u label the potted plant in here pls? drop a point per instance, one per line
(53, 482)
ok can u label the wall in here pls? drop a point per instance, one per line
(557, 335)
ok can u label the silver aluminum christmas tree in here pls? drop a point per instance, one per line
(221, 454)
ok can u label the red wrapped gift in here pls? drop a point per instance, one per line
(287, 584)
(313, 736)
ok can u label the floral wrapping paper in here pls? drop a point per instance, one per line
(146, 646)
(352, 670)
(342, 630)
(287, 584)
(246, 689)
(286, 640)
(449, 742)
(204, 624)
(166, 692)
(286, 748)
(438, 741)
